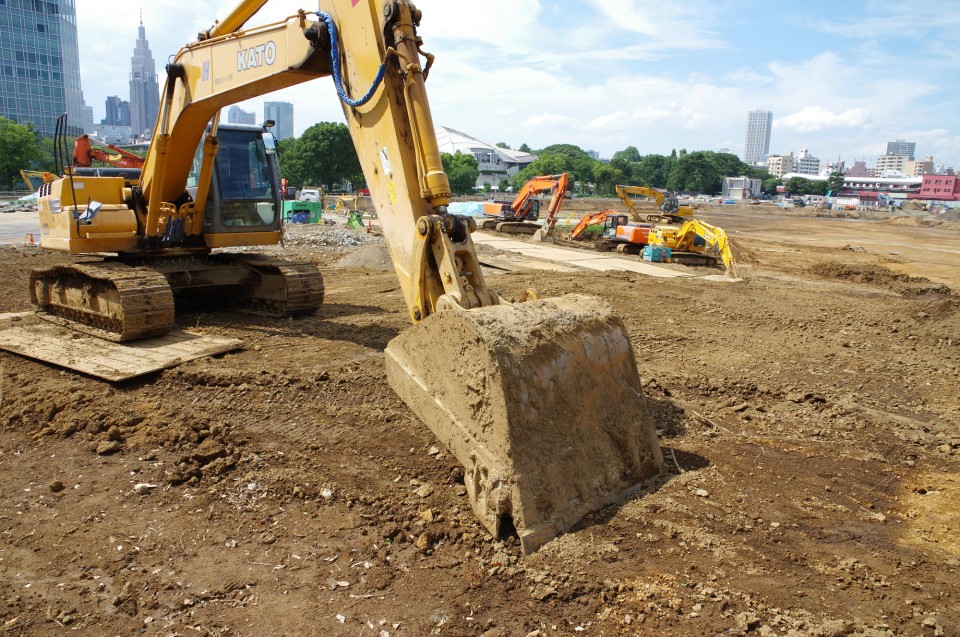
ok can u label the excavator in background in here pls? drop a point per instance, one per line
(669, 209)
(518, 392)
(35, 178)
(693, 243)
(595, 218)
(84, 154)
(517, 217)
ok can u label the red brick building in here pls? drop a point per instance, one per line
(942, 187)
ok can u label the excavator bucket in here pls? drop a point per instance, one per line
(540, 401)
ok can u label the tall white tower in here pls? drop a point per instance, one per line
(757, 145)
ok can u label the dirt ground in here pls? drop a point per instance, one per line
(808, 415)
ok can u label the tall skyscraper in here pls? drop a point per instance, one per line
(40, 64)
(236, 115)
(757, 145)
(282, 114)
(144, 88)
(902, 148)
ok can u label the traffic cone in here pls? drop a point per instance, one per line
(369, 226)
(28, 239)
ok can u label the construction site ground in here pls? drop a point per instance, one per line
(808, 414)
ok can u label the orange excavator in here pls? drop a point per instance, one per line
(84, 154)
(595, 218)
(517, 217)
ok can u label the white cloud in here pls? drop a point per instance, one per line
(671, 23)
(545, 120)
(610, 121)
(816, 118)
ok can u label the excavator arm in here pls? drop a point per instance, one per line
(517, 392)
(669, 207)
(624, 193)
(84, 154)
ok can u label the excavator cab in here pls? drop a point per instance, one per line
(611, 223)
(244, 196)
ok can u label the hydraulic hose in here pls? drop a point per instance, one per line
(335, 59)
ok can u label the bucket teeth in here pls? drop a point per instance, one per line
(541, 403)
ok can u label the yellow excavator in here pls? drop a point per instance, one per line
(692, 243)
(669, 209)
(519, 392)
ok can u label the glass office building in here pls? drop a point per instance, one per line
(40, 64)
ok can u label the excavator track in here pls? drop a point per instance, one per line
(284, 288)
(109, 300)
(120, 301)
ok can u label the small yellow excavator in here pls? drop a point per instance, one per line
(693, 242)
(519, 392)
(669, 209)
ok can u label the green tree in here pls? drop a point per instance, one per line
(627, 161)
(770, 185)
(461, 170)
(835, 182)
(606, 176)
(801, 186)
(524, 149)
(694, 171)
(543, 165)
(19, 149)
(323, 155)
(576, 161)
(652, 171)
(503, 145)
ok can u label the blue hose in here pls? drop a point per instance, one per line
(335, 59)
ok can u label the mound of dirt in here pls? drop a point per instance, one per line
(862, 273)
(742, 253)
(373, 256)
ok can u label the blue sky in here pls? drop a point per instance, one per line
(841, 78)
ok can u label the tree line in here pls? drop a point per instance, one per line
(324, 155)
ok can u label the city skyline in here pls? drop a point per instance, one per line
(631, 73)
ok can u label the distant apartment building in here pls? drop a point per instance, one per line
(236, 115)
(900, 147)
(780, 165)
(756, 146)
(282, 114)
(117, 112)
(859, 169)
(939, 187)
(741, 187)
(889, 163)
(806, 164)
(86, 118)
(108, 134)
(919, 168)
